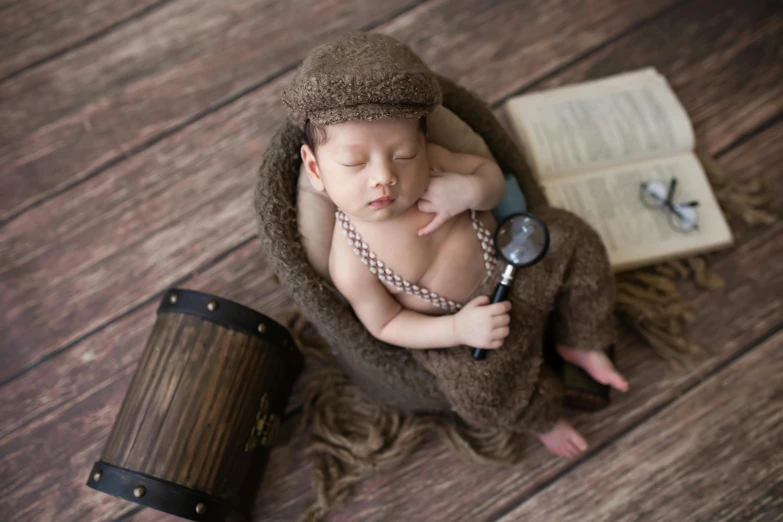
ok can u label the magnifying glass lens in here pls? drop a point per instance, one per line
(521, 240)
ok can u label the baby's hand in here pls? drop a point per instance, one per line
(447, 195)
(482, 325)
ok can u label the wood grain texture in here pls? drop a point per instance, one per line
(706, 50)
(106, 99)
(494, 48)
(193, 400)
(153, 224)
(34, 30)
(137, 226)
(57, 418)
(110, 98)
(435, 485)
(101, 106)
(61, 411)
(712, 455)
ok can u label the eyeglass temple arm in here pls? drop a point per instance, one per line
(672, 188)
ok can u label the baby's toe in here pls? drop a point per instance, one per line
(579, 442)
(619, 383)
(575, 449)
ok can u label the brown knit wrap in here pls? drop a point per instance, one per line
(361, 77)
(387, 373)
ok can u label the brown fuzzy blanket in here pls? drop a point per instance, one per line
(437, 380)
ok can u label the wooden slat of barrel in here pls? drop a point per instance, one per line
(192, 404)
(123, 432)
(206, 462)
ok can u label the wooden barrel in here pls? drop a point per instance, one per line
(193, 433)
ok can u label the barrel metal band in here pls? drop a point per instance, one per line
(235, 316)
(160, 494)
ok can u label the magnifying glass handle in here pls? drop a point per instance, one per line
(501, 292)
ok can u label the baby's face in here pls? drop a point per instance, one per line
(376, 169)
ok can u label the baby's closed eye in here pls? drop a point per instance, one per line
(408, 156)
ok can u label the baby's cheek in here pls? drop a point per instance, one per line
(421, 176)
(415, 188)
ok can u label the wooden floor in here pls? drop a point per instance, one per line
(130, 133)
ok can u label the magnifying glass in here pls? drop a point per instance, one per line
(521, 240)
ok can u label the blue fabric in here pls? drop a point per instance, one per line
(513, 200)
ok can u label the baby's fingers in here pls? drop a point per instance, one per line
(479, 301)
(425, 205)
(500, 320)
(502, 307)
(494, 344)
(498, 334)
(433, 225)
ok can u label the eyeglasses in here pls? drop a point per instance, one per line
(683, 217)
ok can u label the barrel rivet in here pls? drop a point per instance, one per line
(201, 508)
(262, 328)
(212, 306)
(97, 476)
(139, 491)
(173, 298)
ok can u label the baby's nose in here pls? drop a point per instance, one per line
(384, 177)
(390, 182)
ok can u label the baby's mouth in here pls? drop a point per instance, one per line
(382, 202)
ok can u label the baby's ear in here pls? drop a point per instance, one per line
(311, 168)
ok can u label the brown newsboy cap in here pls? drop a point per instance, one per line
(361, 77)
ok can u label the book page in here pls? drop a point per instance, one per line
(634, 234)
(591, 125)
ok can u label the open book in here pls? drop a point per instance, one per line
(592, 145)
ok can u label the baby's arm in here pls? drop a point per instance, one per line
(485, 175)
(464, 182)
(478, 324)
(382, 315)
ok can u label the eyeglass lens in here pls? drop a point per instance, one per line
(656, 193)
(684, 217)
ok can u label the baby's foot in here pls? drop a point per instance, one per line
(596, 363)
(563, 440)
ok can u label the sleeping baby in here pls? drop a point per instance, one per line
(412, 250)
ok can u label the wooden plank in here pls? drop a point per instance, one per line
(712, 455)
(702, 51)
(58, 416)
(290, 51)
(751, 298)
(88, 413)
(205, 55)
(106, 99)
(148, 231)
(34, 30)
(71, 241)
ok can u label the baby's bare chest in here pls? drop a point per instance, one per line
(449, 261)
